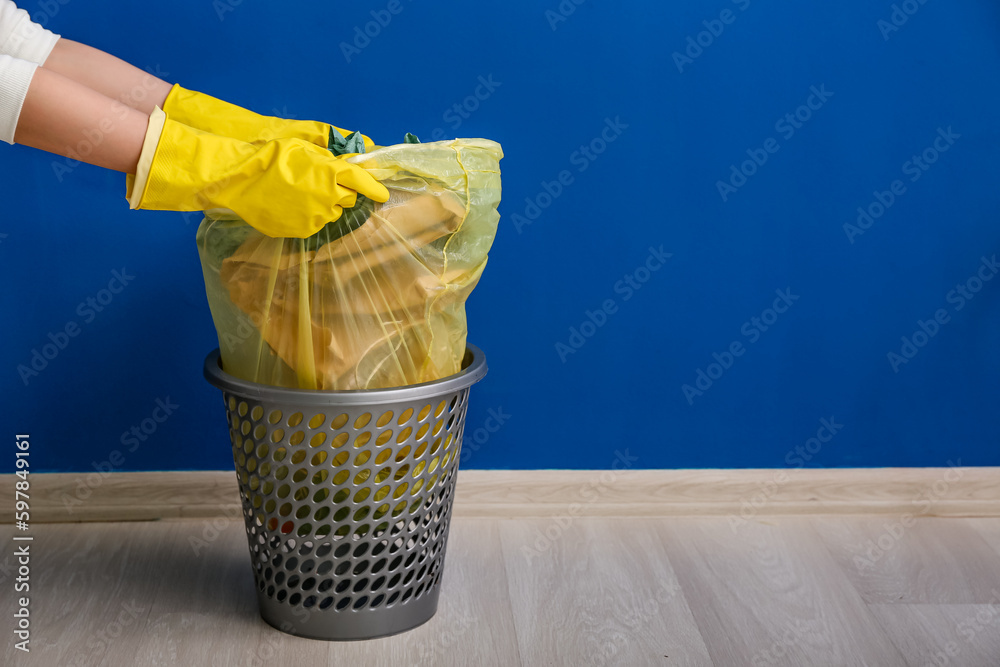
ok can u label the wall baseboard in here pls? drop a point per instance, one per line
(144, 496)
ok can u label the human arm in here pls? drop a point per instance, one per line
(69, 119)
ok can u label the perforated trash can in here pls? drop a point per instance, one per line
(347, 498)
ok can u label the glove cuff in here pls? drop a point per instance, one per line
(136, 184)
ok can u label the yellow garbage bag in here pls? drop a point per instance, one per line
(365, 304)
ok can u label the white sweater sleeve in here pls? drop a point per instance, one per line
(24, 45)
(21, 37)
(15, 77)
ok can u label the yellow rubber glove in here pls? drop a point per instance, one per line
(213, 115)
(284, 188)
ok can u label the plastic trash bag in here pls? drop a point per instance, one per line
(374, 300)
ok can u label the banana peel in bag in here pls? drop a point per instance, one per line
(375, 299)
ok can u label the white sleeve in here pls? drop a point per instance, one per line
(15, 77)
(22, 38)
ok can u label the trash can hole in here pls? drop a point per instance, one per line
(339, 440)
(323, 550)
(343, 586)
(339, 422)
(295, 599)
(377, 601)
(360, 567)
(274, 417)
(404, 435)
(317, 440)
(362, 601)
(270, 591)
(360, 586)
(282, 594)
(405, 417)
(422, 431)
(383, 437)
(309, 601)
(362, 439)
(384, 419)
(276, 436)
(325, 585)
(377, 584)
(325, 604)
(402, 454)
(421, 448)
(379, 565)
(319, 497)
(295, 419)
(392, 599)
(308, 584)
(362, 420)
(395, 580)
(279, 578)
(243, 408)
(395, 563)
(407, 595)
(342, 568)
(293, 581)
(424, 411)
(299, 475)
(380, 547)
(317, 420)
(301, 493)
(344, 603)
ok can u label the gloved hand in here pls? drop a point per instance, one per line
(284, 188)
(213, 115)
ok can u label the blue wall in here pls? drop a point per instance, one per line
(678, 125)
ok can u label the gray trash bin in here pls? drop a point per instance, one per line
(347, 498)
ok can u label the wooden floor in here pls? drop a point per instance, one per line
(820, 590)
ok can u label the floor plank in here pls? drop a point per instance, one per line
(959, 635)
(769, 594)
(597, 592)
(912, 560)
